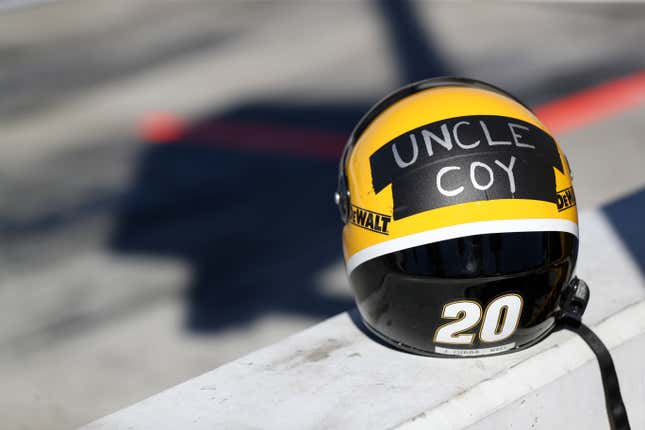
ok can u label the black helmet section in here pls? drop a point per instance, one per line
(476, 295)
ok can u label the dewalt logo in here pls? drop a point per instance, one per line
(565, 199)
(369, 220)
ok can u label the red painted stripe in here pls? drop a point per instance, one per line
(593, 104)
(161, 127)
(167, 128)
(561, 115)
(269, 138)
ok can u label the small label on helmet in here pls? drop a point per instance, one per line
(474, 352)
(369, 220)
(566, 199)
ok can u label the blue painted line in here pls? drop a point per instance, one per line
(627, 216)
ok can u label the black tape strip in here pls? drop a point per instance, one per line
(616, 411)
(507, 157)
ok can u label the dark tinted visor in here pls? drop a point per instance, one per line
(401, 295)
(485, 255)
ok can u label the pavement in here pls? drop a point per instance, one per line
(129, 262)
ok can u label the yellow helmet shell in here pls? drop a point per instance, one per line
(451, 158)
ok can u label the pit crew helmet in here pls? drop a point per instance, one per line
(461, 228)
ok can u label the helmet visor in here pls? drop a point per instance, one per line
(481, 294)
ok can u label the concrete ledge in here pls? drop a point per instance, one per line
(335, 376)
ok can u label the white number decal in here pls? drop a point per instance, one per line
(501, 318)
(467, 314)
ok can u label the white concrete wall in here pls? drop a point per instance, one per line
(334, 376)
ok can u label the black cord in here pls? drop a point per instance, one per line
(616, 411)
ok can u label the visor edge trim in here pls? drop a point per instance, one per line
(457, 231)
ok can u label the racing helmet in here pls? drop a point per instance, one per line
(461, 227)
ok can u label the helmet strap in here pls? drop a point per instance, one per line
(573, 306)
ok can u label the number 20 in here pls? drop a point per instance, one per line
(501, 318)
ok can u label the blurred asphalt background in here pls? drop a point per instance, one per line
(137, 251)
